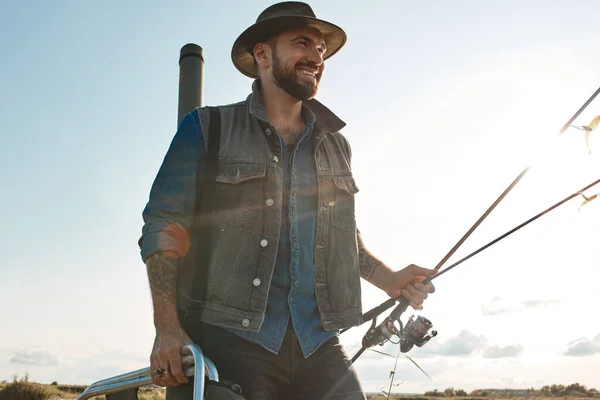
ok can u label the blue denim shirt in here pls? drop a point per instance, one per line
(292, 287)
(291, 294)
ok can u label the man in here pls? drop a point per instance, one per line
(286, 258)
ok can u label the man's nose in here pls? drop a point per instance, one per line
(316, 57)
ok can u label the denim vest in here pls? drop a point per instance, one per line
(291, 295)
(246, 225)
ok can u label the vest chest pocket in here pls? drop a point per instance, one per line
(342, 206)
(239, 189)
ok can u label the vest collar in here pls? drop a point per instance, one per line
(326, 120)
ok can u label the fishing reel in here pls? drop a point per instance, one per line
(417, 332)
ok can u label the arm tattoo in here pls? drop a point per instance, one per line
(162, 274)
(367, 262)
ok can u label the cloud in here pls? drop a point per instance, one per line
(463, 344)
(538, 303)
(502, 352)
(35, 356)
(498, 306)
(583, 347)
(85, 368)
(496, 311)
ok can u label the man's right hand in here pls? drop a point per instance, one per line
(166, 356)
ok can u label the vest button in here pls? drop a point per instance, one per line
(268, 131)
(256, 282)
(264, 242)
(245, 322)
(269, 202)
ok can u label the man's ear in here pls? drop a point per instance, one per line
(262, 55)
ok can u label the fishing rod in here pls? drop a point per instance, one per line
(423, 322)
(369, 315)
(416, 330)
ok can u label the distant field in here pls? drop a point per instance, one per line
(35, 391)
(381, 397)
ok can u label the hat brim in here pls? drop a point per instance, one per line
(242, 51)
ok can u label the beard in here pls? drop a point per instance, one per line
(286, 78)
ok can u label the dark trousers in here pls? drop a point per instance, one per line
(262, 375)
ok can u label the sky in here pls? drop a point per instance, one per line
(445, 104)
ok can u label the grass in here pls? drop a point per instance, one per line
(493, 397)
(23, 389)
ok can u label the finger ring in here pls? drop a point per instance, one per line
(161, 371)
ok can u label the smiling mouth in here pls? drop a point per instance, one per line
(308, 73)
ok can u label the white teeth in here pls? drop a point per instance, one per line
(305, 72)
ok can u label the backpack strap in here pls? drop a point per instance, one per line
(203, 211)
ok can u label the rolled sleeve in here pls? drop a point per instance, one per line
(169, 213)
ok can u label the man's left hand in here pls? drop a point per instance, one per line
(407, 282)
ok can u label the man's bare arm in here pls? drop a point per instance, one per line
(170, 336)
(372, 269)
(162, 276)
